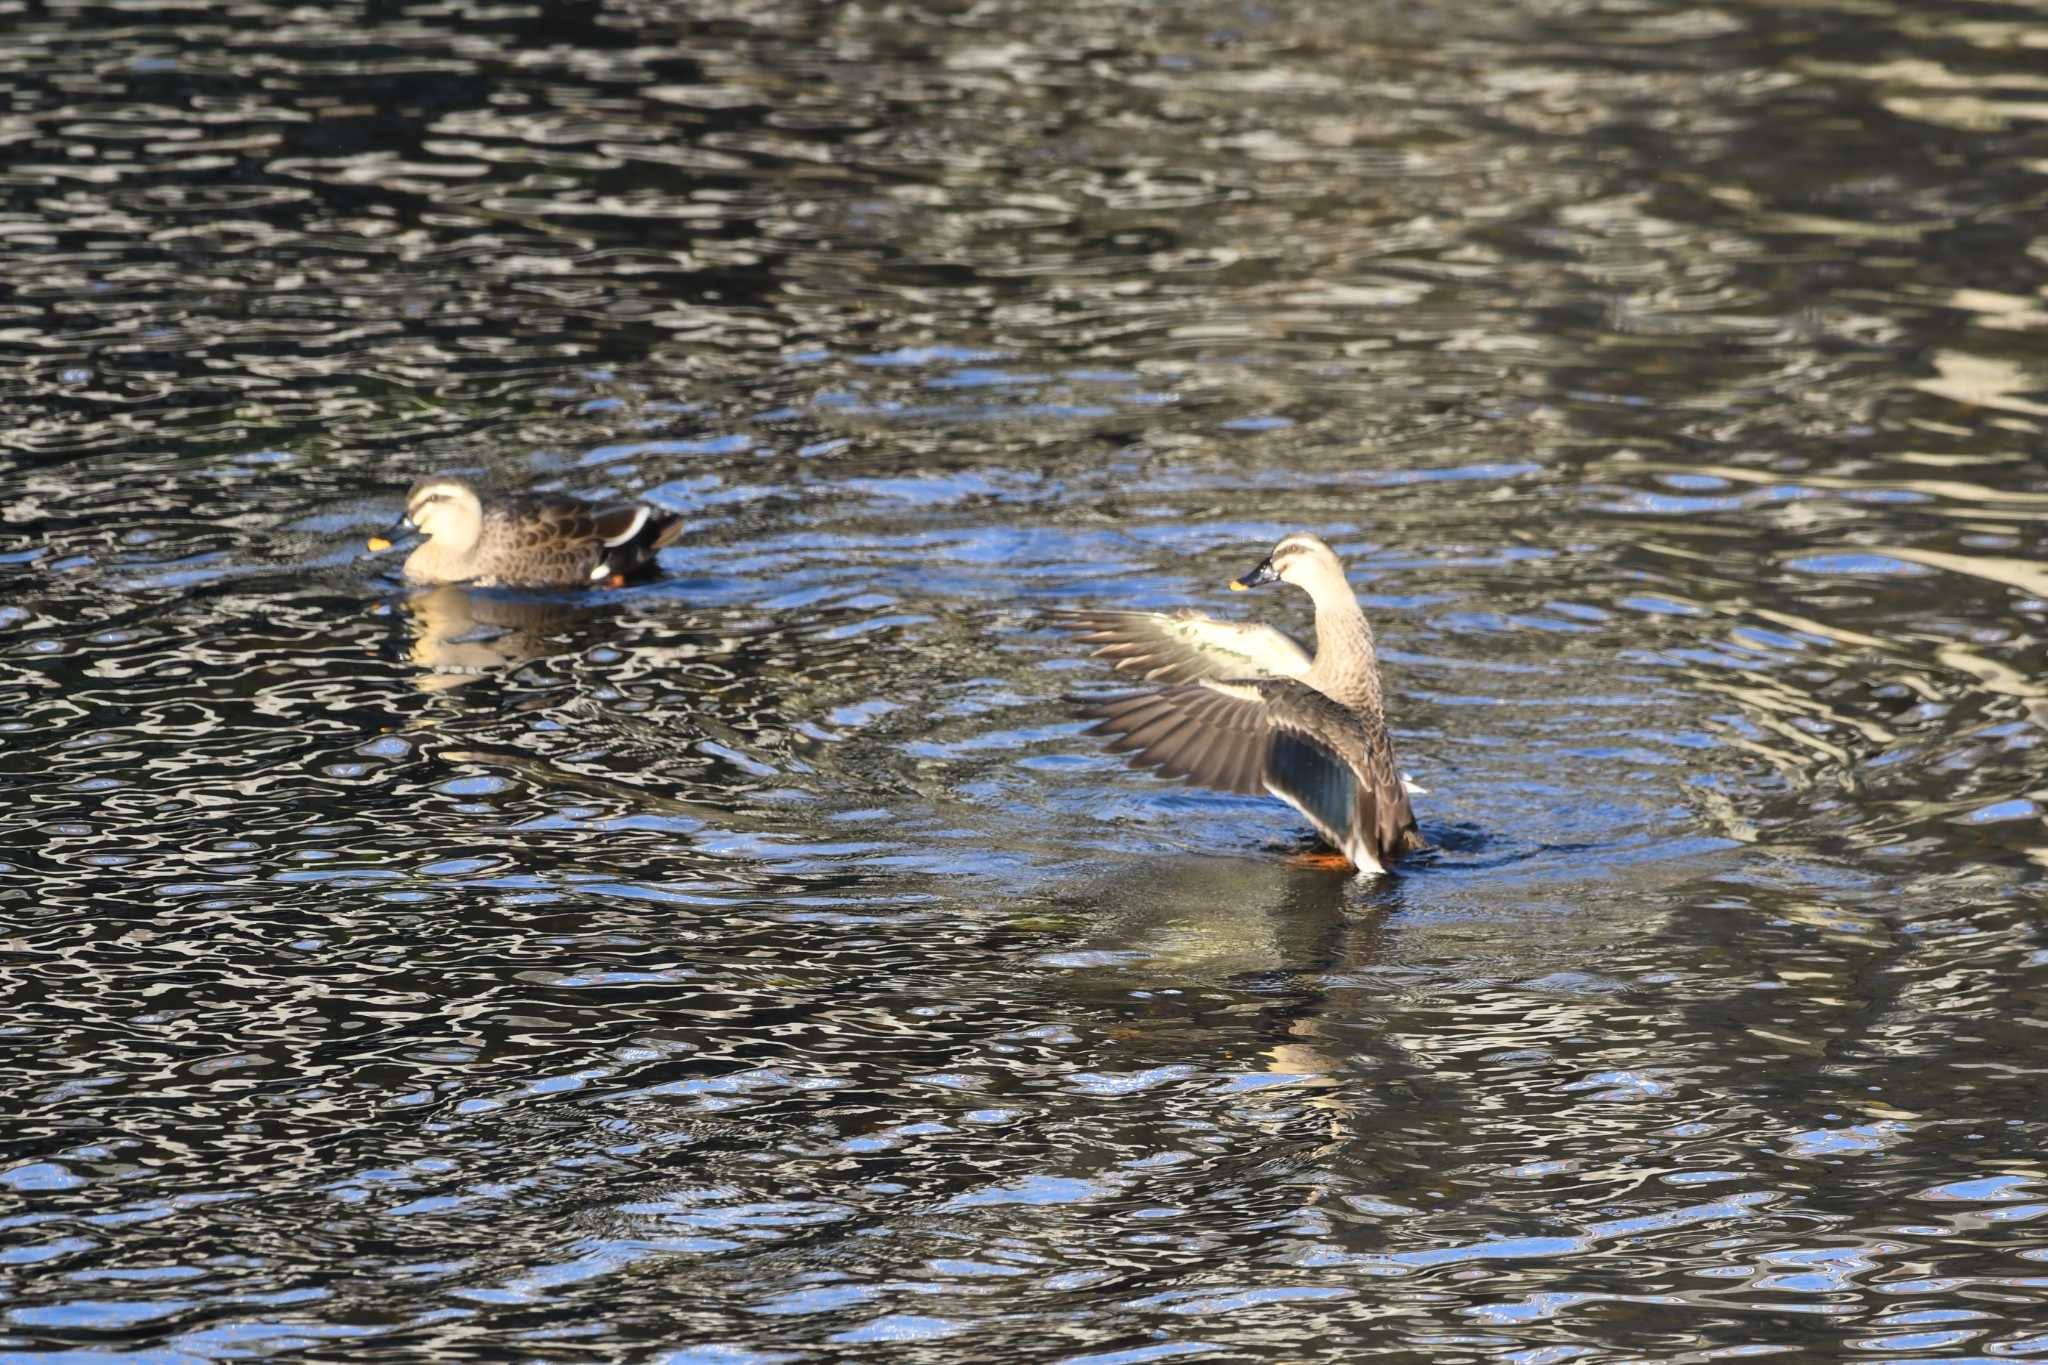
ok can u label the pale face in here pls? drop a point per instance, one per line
(1305, 560)
(447, 510)
(1301, 559)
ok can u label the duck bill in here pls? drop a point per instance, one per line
(1257, 577)
(390, 535)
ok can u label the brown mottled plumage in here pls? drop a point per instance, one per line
(1252, 711)
(545, 541)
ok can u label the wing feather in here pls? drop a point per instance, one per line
(1275, 736)
(1196, 732)
(546, 539)
(553, 517)
(1185, 646)
(1148, 735)
(1174, 751)
(618, 525)
(1199, 753)
(1309, 776)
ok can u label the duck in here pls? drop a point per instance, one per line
(544, 541)
(1246, 708)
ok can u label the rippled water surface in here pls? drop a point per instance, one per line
(758, 965)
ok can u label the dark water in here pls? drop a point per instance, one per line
(757, 965)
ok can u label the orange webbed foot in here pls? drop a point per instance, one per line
(1322, 860)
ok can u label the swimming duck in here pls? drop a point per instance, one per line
(1250, 710)
(534, 542)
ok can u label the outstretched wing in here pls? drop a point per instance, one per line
(1214, 735)
(1185, 646)
(1276, 736)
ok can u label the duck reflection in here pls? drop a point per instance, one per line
(460, 634)
(1204, 920)
(1266, 937)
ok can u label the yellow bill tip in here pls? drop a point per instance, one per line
(1239, 585)
(378, 543)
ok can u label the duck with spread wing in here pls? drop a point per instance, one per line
(1247, 709)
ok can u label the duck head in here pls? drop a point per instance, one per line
(1302, 559)
(442, 508)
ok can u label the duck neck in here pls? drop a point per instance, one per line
(1347, 666)
(434, 562)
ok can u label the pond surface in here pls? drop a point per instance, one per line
(759, 965)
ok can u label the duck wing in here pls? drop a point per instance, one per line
(635, 540)
(1185, 646)
(604, 539)
(1277, 736)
